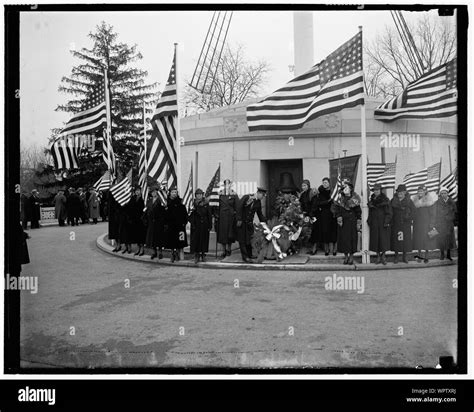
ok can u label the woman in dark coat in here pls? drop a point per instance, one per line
(125, 227)
(325, 228)
(60, 207)
(226, 218)
(201, 223)
(137, 228)
(176, 218)
(154, 219)
(422, 219)
(443, 221)
(348, 214)
(305, 197)
(403, 211)
(380, 216)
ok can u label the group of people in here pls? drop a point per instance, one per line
(71, 207)
(77, 205)
(403, 224)
(423, 222)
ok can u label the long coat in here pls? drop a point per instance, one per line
(246, 210)
(226, 217)
(60, 207)
(403, 213)
(305, 201)
(201, 223)
(73, 206)
(443, 220)
(136, 227)
(176, 218)
(93, 206)
(124, 223)
(350, 212)
(324, 230)
(422, 220)
(154, 219)
(84, 202)
(380, 217)
(113, 210)
(24, 255)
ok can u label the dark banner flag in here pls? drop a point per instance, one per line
(349, 167)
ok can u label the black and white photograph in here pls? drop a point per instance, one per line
(238, 190)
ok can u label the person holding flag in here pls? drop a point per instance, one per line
(176, 217)
(201, 224)
(325, 227)
(154, 220)
(137, 228)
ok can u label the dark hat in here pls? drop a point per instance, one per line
(154, 188)
(348, 183)
(377, 186)
(261, 190)
(173, 188)
(306, 182)
(198, 192)
(401, 188)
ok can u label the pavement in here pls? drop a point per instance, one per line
(95, 310)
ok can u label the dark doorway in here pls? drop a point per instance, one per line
(282, 171)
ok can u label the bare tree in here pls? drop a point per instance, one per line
(31, 158)
(388, 68)
(236, 80)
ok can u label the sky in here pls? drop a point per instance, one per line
(46, 39)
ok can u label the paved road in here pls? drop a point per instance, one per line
(84, 315)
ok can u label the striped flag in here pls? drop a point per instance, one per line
(336, 191)
(142, 174)
(428, 177)
(212, 192)
(450, 182)
(104, 182)
(330, 86)
(122, 191)
(433, 95)
(92, 116)
(381, 173)
(65, 152)
(188, 194)
(162, 150)
(108, 152)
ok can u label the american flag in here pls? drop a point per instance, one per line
(450, 182)
(108, 151)
(162, 150)
(188, 194)
(330, 86)
(65, 151)
(104, 182)
(142, 166)
(93, 114)
(433, 95)
(212, 191)
(336, 191)
(429, 177)
(122, 191)
(381, 173)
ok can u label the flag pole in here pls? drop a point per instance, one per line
(178, 126)
(109, 120)
(365, 231)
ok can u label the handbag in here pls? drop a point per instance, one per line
(433, 233)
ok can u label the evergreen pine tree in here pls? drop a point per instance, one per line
(128, 91)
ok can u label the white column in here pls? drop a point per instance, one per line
(303, 38)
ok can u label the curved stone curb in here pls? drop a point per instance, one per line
(104, 246)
